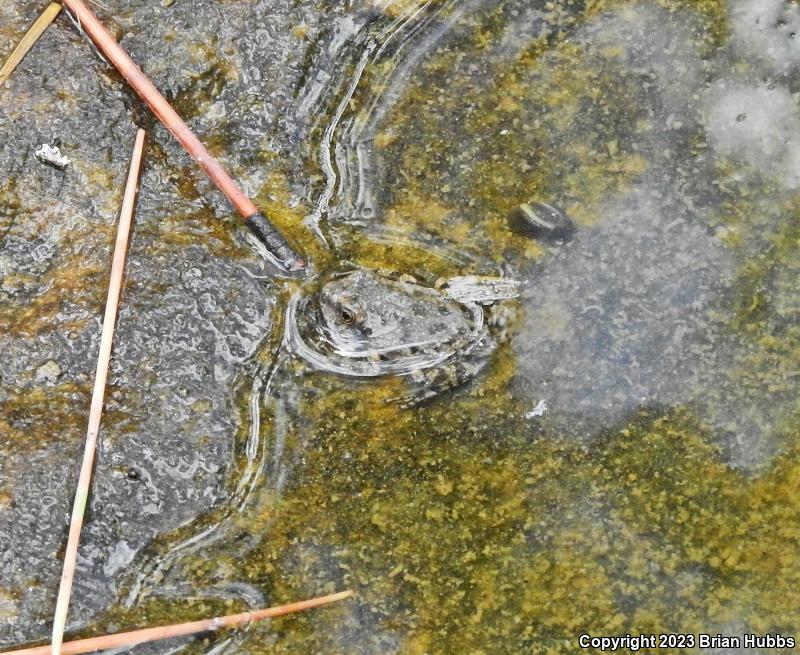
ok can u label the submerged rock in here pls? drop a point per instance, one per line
(542, 221)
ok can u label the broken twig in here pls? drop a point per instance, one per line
(123, 639)
(27, 42)
(96, 409)
(274, 241)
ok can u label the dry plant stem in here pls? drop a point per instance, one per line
(27, 42)
(123, 639)
(96, 409)
(158, 104)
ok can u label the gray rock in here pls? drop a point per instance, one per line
(198, 300)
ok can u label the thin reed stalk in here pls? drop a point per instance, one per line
(96, 409)
(134, 637)
(27, 42)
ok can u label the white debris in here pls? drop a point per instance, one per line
(52, 155)
(48, 372)
(119, 558)
(539, 410)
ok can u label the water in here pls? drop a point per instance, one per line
(655, 488)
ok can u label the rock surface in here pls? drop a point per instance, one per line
(197, 303)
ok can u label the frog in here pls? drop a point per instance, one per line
(364, 323)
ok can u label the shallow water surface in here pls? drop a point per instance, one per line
(653, 489)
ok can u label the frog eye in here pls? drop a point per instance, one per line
(347, 316)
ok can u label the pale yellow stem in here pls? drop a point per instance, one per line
(96, 409)
(31, 37)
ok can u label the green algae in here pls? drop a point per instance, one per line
(26, 417)
(73, 278)
(211, 71)
(459, 537)
(552, 122)
(25, 423)
(73, 274)
(573, 147)
(762, 308)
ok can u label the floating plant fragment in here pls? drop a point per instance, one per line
(539, 410)
(480, 289)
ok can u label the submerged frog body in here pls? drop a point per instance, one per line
(365, 324)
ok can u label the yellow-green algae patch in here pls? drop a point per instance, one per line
(574, 151)
(464, 149)
(274, 200)
(77, 249)
(209, 73)
(760, 223)
(74, 276)
(34, 417)
(463, 532)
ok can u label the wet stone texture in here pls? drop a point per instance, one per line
(197, 302)
(625, 460)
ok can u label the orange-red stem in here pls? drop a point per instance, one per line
(181, 629)
(159, 106)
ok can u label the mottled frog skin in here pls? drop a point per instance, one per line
(362, 323)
